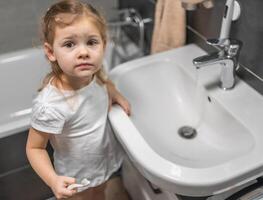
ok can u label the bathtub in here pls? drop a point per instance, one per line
(21, 74)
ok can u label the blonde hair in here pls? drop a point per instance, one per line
(62, 14)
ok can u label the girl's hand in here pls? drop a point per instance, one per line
(116, 97)
(59, 187)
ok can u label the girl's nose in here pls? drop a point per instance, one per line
(83, 51)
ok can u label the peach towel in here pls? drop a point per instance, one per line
(169, 26)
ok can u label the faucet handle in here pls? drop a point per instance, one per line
(234, 47)
(221, 43)
(230, 46)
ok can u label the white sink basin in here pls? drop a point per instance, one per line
(167, 93)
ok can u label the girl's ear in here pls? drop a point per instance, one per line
(49, 52)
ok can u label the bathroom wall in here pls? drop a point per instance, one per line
(206, 23)
(20, 19)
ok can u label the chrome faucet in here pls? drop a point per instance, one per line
(227, 57)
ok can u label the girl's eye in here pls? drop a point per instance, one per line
(93, 42)
(68, 44)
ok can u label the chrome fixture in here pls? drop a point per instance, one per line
(187, 132)
(227, 57)
(131, 17)
(128, 17)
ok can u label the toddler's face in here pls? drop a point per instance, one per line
(78, 49)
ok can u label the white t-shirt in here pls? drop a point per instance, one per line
(84, 145)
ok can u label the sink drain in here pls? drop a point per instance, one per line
(187, 132)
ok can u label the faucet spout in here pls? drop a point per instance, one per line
(209, 59)
(227, 77)
(227, 57)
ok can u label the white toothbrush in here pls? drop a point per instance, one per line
(85, 182)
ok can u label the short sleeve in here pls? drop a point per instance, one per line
(47, 119)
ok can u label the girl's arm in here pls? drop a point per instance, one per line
(116, 97)
(41, 163)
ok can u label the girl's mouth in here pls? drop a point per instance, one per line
(84, 66)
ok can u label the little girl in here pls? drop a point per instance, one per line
(71, 108)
